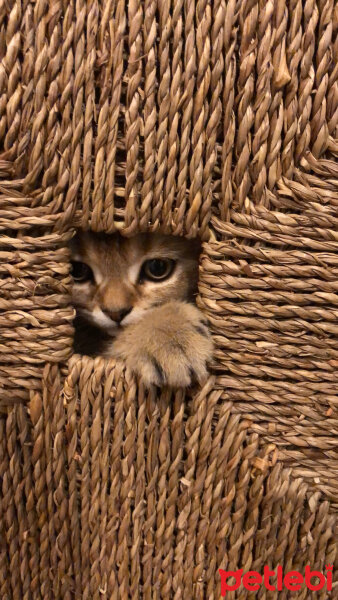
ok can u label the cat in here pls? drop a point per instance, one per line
(134, 301)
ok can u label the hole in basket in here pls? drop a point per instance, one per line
(118, 282)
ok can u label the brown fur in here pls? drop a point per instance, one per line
(164, 337)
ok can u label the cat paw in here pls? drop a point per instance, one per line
(169, 346)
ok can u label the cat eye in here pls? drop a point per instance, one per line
(81, 272)
(157, 269)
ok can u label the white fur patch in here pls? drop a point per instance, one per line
(97, 276)
(103, 321)
(134, 272)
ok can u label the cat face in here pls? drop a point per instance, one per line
(117, 279)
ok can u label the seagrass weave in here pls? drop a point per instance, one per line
(197, 118)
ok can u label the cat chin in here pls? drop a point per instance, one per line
(111, 331)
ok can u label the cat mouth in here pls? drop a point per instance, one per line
(105, 324)
(100, 322)
(112, 330)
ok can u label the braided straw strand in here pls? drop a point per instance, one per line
(214, 120)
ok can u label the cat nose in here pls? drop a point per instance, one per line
(118, 315)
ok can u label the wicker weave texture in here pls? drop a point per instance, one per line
(145, 495)
(193, 117)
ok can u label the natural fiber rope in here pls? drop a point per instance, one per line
(155, 484)
(217, 119)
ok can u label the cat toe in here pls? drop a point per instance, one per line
(160, 375)
(199, 373)
(149, 370)
(202, 330)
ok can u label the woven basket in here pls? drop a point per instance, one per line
(217, 119)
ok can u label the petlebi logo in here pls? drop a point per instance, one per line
(292, 580)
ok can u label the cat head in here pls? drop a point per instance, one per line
(117, 279)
